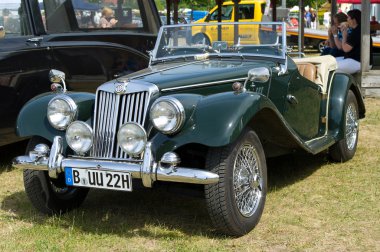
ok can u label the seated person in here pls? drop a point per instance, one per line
(107, 20)
(333, 44)
(373, 21)
(351, 44)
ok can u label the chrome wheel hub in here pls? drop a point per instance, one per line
(247, 180)
(352, 125)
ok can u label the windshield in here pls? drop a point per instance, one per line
(198, 41)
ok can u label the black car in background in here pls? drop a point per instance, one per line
(38, 35)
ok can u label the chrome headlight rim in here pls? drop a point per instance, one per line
(88, 127)
(73, 111)
(180, 112)
(145, 139)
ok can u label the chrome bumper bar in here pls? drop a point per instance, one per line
(147, 169)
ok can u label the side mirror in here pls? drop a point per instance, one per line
(259, 74)
(2, 32)
(56, 77)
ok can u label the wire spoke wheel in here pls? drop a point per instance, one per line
(352, 125)
(345, 149)
(236, 202)
(247, 179)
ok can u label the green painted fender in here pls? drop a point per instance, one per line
(341, 84)
(216, 120)
(32, 119)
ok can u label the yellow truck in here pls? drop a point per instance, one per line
(248, 11)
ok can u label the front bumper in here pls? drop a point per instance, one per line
(146, 169)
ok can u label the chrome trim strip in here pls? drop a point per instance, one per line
(203, 84)
(132, 86)
(328, 102)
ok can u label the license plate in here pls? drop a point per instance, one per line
(120, 181)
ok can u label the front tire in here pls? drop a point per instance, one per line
(201, 39)
(236, 202)
(345, 149)
(321, 46)
(50, 196)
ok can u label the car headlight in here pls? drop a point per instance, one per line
(132, 138)
(167, 115)
(79, 137)
(61, 111)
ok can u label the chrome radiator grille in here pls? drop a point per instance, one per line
(112, 111)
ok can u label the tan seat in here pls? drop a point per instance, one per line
(307, 70)
(324, 64)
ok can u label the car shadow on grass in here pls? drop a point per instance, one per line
(155, 213)
(290, 169)
(8, 152)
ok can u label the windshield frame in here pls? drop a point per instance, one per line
(282, 45)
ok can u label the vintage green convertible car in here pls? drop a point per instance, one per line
(203, 112)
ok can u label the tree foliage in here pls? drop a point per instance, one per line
(206, 5)
(311, 3)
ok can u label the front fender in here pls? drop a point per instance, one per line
(217, 120)
(341, 84)
(32, 119)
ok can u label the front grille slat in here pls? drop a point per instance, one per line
(146, 97)
(112, 111)
(99, 124)
(121, 122)
(136, 110)
(130, 112)
(105, 125)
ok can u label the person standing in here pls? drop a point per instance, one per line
(308, 18)
(313, 19)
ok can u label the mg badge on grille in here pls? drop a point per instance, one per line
(121, 88)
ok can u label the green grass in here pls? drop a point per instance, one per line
(312, 204)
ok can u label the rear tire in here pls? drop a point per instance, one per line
(345, 149)
(50, 196)
(236, 202)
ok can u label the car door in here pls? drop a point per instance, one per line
(24, 64)
(212, 31)
(303, 103)
(249, 13)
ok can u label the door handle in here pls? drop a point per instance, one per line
(35, 40)
(292, 99)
